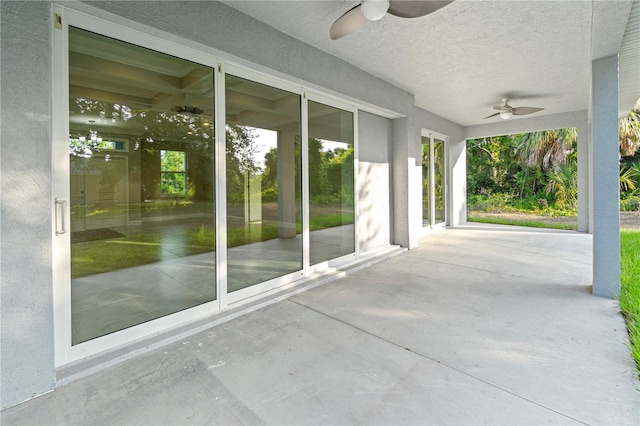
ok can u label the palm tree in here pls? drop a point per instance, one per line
(548, 149)
(630, 131)
(627, 179)
(563, 184)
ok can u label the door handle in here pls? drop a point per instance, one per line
(61, 205)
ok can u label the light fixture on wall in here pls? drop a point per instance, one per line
(374, 10)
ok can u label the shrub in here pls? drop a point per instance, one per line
(270, 195)
(631, 204)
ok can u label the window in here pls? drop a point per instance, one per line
(264, 192)
(141, 130)
(433, 182)
(173, 172)
(331, 182)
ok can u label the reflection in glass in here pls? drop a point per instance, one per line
(331, 187)
(141, 157)
(426, 221)
(263, 183)
(439, 180)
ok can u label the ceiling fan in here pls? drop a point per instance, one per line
(374, 10)
(505, 111)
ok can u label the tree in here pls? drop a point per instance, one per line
(630, 132)
(563, 185)
(548, 149)
(491, 166)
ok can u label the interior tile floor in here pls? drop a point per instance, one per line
(111, 301)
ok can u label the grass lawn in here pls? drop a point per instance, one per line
(522, 222)
(630, 290)
(93, 257)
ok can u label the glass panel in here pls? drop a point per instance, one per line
(439, 180)
(263, 183)
(141, 154)
(331, 191)
(425, 181)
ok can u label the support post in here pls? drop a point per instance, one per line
(286, 184)
(605, 174)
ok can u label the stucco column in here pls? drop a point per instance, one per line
(286, 184)
(605, 174)
(407, 183)
(457, 185)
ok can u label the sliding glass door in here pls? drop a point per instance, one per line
(184, 185)
(331, 182)
(439, 182)
(426, 182)
(433, 182)
(264, 183)
(141, 184)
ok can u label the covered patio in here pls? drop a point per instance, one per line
(471, 325)
(487, 325)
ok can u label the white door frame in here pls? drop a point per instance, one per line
(433, 136)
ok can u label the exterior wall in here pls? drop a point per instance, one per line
(26, 303)
(374, 220)
(229, 34)
(27, 335)
(457, 182)
(407, 183)
(530, 124)
(456, 161)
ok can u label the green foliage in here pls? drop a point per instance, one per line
(251, 233)
(629, 179)
(629, 130)
(521, 222)
(270, 195)
(499, 202)
(562, 183)
(490, 165)
(548, 149)
(630, 204)
(330, 221)
(630, 287)
(533, 171)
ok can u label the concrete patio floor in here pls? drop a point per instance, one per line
(482, 324)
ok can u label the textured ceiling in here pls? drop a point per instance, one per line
(464, 58)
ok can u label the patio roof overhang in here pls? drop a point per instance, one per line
(464, 58)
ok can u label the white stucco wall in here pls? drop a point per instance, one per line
(456, 162)
(26, 303)
(374, 180)
(27, 336)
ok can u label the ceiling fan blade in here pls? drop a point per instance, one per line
(525, 110)
(414, 8)
(501, 107)
(492, 115)
(351, 21)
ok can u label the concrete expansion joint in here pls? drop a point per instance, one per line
(437, 361)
